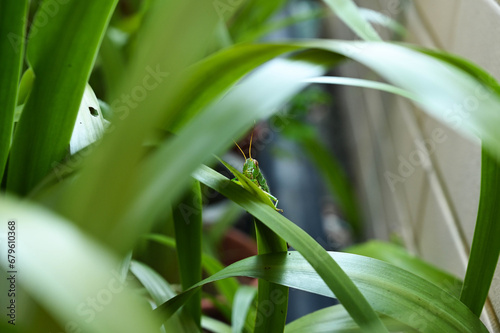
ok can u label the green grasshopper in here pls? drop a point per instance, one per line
(251, 170)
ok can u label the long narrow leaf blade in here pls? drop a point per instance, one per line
(392, 292)
(54, 258)
(188, 226)
(348, 12)
(267, 242)
(335, 319)
(161, 291)
(221, 123)
(336, 279)
(485, 248)
(61, 53)
(12, 29)
(211, 265)
(399, 257)
(242, 303)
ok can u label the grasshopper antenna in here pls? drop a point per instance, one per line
(240, 150)
(250, 149)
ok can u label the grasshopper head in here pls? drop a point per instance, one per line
(251, 168)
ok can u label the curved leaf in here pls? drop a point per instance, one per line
(213, 325)
(391, 291)
(161, 291)
(211, 265)
(348, 12)
(254, 98)
(57, 259)
(348, 81)
(327, 268)
(383, 20)
(61, 51)
(188, 237)
(437, 85)
(241, 306)
(335, 319)
(399, 257)
(445, 91)
(12, 29)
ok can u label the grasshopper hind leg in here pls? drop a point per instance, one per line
(273, 198)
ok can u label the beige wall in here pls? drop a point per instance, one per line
(434, 208)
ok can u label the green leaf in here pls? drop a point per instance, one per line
(136, 118)
(213, 325)
(164, 175)
(485, 248)
(241, 306)
(12, 29)
(188, 225)
(208, 80)
(383, 20)
(393, 292)
(211, 265)
(280, 23)
(348, 81)
(56, 258)
(25, 88)
(253, 14)
(327, 268)
(61, 51)
(450, 86)
(348, 12)
(160, 291)
(399, 257)
(229, 118)
(270, 242)
(335, 319)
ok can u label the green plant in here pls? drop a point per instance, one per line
(176, 103)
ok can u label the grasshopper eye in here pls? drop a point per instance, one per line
(256, 163)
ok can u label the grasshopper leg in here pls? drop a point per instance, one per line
(272, 197)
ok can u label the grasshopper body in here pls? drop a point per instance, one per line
(252, 171)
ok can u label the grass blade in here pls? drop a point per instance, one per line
(399, 257)
(335, 319)
(61, 53)
(91, 295)
(213, 325)
(327, 268)
(383, 20)
(485, 248)
(348, 81)
(221, 123)
(188, 226)
(12, 29)
(267, 242)
(450, 85)
(254, 13)
(211, 265)
(161, 291)
(241, 306)
(348, 12)
(391, 291)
